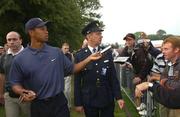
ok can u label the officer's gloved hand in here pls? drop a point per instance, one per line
(121, 103)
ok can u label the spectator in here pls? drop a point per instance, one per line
(142, 63)
(13, 107)
(6, 47)
(1, 50)
(129, 45)
(37, 73)
(127, 68)
(156, 71)
(167, 92)
(67, 79)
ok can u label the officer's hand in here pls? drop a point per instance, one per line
(95, 56)
(121, 103)
(79, 109)
(27, 96)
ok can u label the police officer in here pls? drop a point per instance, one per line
(96, 85)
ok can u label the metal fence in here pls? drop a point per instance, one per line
(125, 76)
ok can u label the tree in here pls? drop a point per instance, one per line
(138, 34)
(154, 37)
(161, 33)
(88, 8)
(67, 17)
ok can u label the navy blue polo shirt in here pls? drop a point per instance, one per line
(41, 70)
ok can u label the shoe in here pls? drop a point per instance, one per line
(141, 107)
(143, 112)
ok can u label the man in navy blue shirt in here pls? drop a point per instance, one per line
(37, 73)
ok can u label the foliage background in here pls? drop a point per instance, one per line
(67, 18)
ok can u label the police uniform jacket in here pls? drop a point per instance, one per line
(97, 84)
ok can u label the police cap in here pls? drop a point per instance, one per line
(93, 26)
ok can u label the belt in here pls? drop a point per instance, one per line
(50, 98)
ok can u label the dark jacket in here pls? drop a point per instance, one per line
(5, 65)
(168, 94)
(69, 56)
(153, 51)
(142, 62)
(97, 84)
(172, 82)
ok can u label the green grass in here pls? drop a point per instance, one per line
(118, 111)
(2, 113)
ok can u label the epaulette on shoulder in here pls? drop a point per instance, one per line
(81, 50)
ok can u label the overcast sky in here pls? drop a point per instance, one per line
(124, 16)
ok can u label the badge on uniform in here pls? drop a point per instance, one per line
(106, 61)
(103, 71)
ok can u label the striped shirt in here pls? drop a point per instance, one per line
(159, 64)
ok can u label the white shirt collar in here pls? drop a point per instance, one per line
(9, 51)
(91, 48)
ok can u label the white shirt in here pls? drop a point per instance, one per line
(9, 51)
(91, 49)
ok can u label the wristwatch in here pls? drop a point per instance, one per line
(150, 84)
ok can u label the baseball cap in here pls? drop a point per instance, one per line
(129, 35)
(35, 23)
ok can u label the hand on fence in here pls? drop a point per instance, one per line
(136, 80)
(140, 88)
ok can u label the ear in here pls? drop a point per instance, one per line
(88, 36)
(30, 32)
(177, 50)
(21, 40)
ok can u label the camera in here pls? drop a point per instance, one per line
(142, 43)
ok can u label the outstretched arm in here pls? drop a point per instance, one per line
(82, 64)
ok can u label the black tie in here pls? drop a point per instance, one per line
(94, 50)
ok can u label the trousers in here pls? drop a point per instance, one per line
(67, 89)
(55, 106)
(14, 108)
